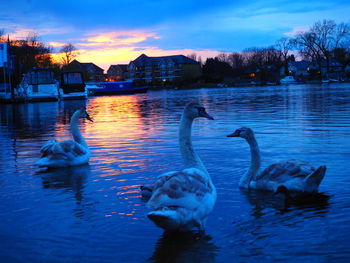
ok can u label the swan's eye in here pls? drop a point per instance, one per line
(201, 110)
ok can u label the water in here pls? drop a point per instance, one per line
(94, 213)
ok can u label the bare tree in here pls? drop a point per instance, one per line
(284, 46)
(322, 38)
(68, 54)
(223, 57)
(2, 33)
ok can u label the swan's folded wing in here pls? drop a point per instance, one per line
(48, 148)
(62, 150)
(284, 171)
(73, 147)
(180, 189)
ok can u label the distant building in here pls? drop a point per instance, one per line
(334, 70)
(90, 70)
(7, 68)
(117, 72)
(159, 71)
(347, 70)
(298, 68)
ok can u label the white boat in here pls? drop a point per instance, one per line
(288, 80)
(39, 84)
(72, 86)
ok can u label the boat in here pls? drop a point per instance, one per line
(38, 84)
(115, 88)
(288, 80)
(72, 86)
(329, 80)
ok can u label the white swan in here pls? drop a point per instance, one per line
(67, 153)
(295, 175)
(182, 200)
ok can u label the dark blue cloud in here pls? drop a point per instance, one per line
(110, 14)
(218, 25)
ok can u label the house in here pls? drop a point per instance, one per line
(90, 70)
(334, 70)
(158, 71)
(347, 70)
(7, 69)
(298, 69)
(117, 72)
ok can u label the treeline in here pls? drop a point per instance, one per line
(325, 40)
(31, 52)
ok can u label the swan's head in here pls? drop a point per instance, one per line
(282, 190)
(84, 115)
(244, 132)
(196, 110)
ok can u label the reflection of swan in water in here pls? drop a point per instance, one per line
(182, 200)
(294, 174)
(263, 201)
(70, 152)
(184, 247)
(302, 199)
(71, 178)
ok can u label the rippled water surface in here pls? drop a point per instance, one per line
(94, 213)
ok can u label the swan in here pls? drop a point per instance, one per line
(67, 153)
(295, 175)
(182, 200)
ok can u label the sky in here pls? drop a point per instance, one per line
(109, 32)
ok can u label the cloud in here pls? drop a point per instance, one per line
(120, 30)
(120, 47)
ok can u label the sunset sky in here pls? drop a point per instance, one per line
(109, 32)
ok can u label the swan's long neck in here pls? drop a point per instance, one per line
(189, 156)
(255, 163)
(74, 127)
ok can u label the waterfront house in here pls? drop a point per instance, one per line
(335, 70)
(91, 71)
(117, 72)
(159, 71)
(298, 69)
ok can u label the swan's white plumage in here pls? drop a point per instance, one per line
(182, 200)
(67, 153)
(189, 194)
(296, 175)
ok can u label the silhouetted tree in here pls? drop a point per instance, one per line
(29, 53)
(236, 61)
(284, 46)
(320, 41)
(215, 70)
(68, 54)
(2, 33)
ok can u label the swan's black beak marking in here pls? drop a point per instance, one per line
(204, 114)
(89, 118)
(236, 133)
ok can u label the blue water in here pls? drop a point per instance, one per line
(94, 213)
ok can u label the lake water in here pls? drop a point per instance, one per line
(94, 213)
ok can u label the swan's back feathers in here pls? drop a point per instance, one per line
(182, 200)
(65, 149)
(177, 188)
(283, 171)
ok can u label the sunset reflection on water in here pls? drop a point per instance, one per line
(133, 139)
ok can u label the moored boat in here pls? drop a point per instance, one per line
(115, 88)
(39, 84)
(288, 80)
(72, 86)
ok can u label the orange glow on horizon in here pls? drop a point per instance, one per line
(110, 48)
